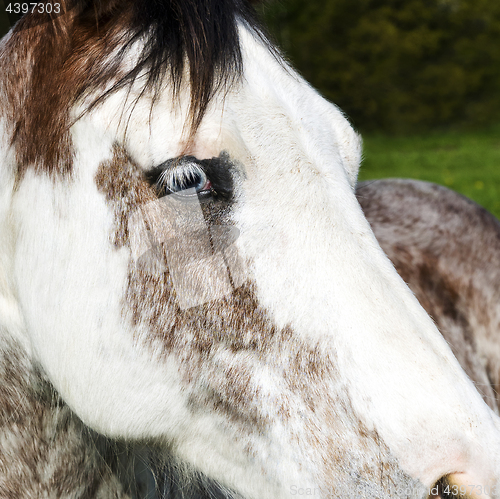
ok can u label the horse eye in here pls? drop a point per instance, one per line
(193, 179)
(183, 177)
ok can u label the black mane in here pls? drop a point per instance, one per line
(53, 60)
(199, 34)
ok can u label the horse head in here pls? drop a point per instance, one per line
(185, 261)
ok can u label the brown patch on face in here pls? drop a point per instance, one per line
(45, 68)
(236, 364)
(123, 184)
(151, 297)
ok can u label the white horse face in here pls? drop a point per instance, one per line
(256, 328)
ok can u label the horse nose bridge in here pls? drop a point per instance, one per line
(321, 246)
(331, 282)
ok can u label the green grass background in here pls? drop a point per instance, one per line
(467, 162)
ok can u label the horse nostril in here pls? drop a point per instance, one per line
(458, 486)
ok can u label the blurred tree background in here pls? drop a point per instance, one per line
(419, 78)
(393, 65)
(396, 65)
(4, 19)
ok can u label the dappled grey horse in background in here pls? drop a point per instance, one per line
(447, 249)
(187, 277)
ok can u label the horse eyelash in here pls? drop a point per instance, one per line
(185, 169)
(169, 172)
(219, 172)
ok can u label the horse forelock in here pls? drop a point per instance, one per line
(53, 64)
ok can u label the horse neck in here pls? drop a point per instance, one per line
(38, 432)
(476, 274)
(11, 324)
(53, 452)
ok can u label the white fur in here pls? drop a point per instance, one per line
(317, 268)
(402, 375)
(10, 316)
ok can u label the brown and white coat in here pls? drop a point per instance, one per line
(304, 363)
